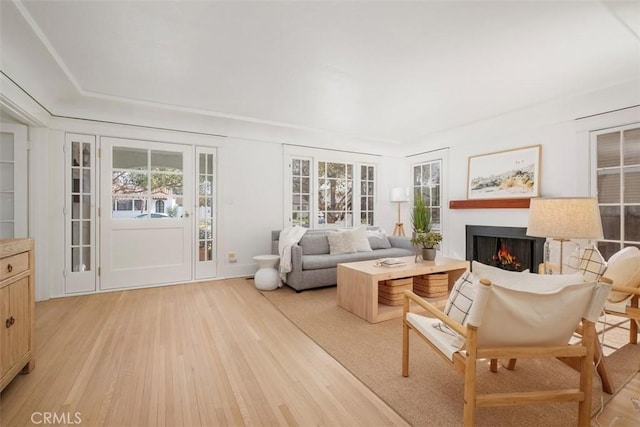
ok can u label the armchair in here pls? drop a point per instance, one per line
(491, 321)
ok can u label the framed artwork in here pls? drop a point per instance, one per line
(505, 174)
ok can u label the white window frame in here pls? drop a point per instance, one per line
(330, 156)
(621, 204)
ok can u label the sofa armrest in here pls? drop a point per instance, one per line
(296, 258)
(401, 242)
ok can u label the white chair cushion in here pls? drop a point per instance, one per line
(433, 330)
(629, 251)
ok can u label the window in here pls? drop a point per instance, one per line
(617, 167)
(367, 192)
(335, 194)
(301, 192)
(329, 193)
(141, 177)
(427, 184)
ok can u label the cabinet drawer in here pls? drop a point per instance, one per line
(12, 265)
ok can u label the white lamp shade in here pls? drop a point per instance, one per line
(565, 218)
(399, 194)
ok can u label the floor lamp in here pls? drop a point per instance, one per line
(562, 219)
(399, 196)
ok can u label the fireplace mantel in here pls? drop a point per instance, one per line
(490, 203)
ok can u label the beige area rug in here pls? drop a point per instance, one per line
(432, 394)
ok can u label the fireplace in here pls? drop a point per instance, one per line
(508, 248)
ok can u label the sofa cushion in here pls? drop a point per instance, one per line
(358, 238)
(378, 239)
(316, 262)
(314, 243)
(339, 243)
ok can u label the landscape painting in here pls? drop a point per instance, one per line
(505, 174)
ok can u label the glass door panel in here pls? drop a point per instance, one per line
(205, 258)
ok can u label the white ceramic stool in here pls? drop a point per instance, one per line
(267, 277)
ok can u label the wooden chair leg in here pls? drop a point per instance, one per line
(405, 349)
(512, 364)
(586, 369)
(470, 377)
(494, 365)
(601, 368)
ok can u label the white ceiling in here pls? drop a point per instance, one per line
(382, 71)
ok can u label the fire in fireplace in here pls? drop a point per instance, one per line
(508, 248)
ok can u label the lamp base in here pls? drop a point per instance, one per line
(399, 229)
(558, 256)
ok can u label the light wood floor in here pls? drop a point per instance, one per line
(206, 354)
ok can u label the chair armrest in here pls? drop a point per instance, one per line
(626, 289)
(296, 257)
(410, 296)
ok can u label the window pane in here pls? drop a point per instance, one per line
(305, 185)
(6, 147)
(296, 184)
(6, 176)
(6, 207)
(306, 171)
(75, 232)
(166, 161)
(86, 233)
(632, 223)
(609, 186)
(632, 185)
(86, 180)
(86, 207)
(86, 155)
(608, 150)
(610, 222)
(632, 147)
(608, 248)
(130, 158)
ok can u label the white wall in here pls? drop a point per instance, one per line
(251, 174)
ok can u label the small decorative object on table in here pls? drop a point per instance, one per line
(428, 241)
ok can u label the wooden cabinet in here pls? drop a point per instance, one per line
(17, 305)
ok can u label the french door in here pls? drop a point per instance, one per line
(146, 215)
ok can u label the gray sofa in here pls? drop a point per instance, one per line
(314, 267)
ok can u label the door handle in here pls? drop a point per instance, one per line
(9, 268)
(186, 214)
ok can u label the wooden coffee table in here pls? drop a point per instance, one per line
(358, 283)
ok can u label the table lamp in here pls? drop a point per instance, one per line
(399, 195)
(562, 219)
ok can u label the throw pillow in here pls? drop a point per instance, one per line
(338, 244)
(358, 239)
(378, 239)
(623, 272)
(592, 264)
(461, 298)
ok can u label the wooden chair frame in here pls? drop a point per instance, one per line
(467, 364)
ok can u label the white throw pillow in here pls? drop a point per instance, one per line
(592, 264)
(338, 244)
(358, 239)
(461, 298)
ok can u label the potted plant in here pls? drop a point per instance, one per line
(420, 216)
(428, 241)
